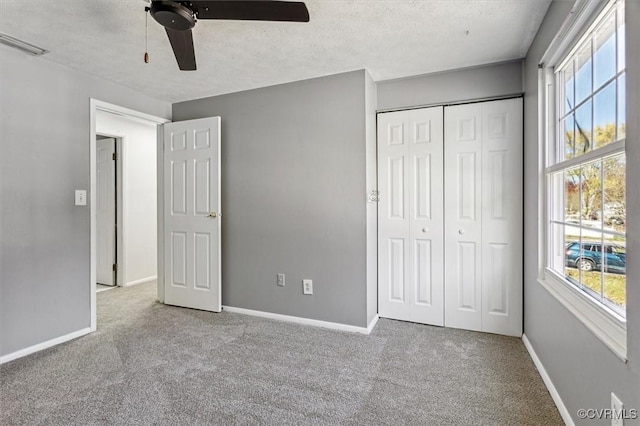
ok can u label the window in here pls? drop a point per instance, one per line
(585, 226)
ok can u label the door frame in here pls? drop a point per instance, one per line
(96, 105)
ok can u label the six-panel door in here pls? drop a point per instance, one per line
(410, 214)
(483, 225)
(192, 219)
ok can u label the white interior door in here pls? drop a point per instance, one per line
(105, 211)
(483, 225)
(410, 216)
(192, 216)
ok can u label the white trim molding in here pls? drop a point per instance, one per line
(304, 321)
(141, 281)
(564, 413)
(95, 106)
(593, 311)
(581, 15)
(612, 331)
(44, 345)
(372, 324)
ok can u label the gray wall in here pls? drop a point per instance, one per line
(293, 196)
(44, 157)
(481, 82)
(582, 368)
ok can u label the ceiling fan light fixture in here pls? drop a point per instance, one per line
(22, 45)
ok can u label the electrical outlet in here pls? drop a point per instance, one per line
(617, 409)
(307, 287)
(81, 197)
(280, 280)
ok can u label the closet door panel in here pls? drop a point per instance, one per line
(410, 212)
(393, 216)
(463, 216)
(426, 237)
(502, 179)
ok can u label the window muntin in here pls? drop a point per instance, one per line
(586, 229)
(591, 85)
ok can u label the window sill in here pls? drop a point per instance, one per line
(608, 327)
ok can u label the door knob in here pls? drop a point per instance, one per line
(213, 214)
(461, 231)
(425, 229)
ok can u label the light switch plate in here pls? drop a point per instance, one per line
(81, 197)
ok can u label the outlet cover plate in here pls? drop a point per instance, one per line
(307, 287)
(81, 197)
(617, 419)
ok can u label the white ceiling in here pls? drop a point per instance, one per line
(390, 38)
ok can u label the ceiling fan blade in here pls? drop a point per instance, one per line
(182, 45)
(251, 10)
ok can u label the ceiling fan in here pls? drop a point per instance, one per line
(179, 17)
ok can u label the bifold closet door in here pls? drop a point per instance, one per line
(483, 225)
(410, 216)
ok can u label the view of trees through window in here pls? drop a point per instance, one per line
(587, 197)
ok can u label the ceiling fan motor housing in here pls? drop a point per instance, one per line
(173, 15)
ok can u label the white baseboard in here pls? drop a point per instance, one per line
(305, 321)
(564, 413)
(44, 345)
(372, 324)
(141, 281)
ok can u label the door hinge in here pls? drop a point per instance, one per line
(115, 156)
(115, 267)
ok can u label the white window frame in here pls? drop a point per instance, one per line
(606, 324)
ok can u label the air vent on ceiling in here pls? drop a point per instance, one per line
(22, 45)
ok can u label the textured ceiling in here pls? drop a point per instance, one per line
(391, 39)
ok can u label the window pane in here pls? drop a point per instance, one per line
(589, 263)
(604, 115)
(583, 258)
(604, 55)
(621, 37)
(556, 200)
(583, 129)
(557, 248)
(572, 201)
(615, 271)
(622, 104)
(583, 72)
(569, 138)
(569, 102)
(614, 209)
(591, 198)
